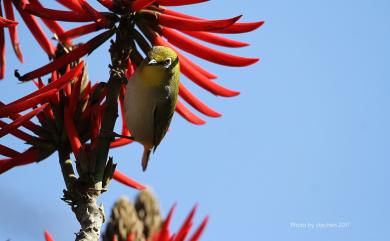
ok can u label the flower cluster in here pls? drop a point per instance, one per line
(69, 107)
(76, 115)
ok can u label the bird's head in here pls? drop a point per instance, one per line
(160, 63)
(162, 57)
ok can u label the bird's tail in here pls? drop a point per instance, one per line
(145, 158)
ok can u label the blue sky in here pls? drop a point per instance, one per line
(306, 142)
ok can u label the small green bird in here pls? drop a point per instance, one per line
(150, 98)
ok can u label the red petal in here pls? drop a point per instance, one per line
(195, 102)
(5, 151)
(17, 123)
(37, 32)
(122, 178)
(29, 156)
(18, 133)
(234, 28)
(2, 51)
(52, 25)
(192, 24)
(75, 95)
(12, 30)
(107, 3)
(4, 23)
(125, 130)
(198, 78)
(129, 69)
(179, 2)
(120, 142)
(179, 14)
(140, 4)
(205, 52)
(79, 31)
(199, 230)
(195, 66)
(130, 237)
(186, 226)
(57, 84)
(114, 238)
(187, 114)
(68, 16)
(71, 4)
(71, 130)
(99, 17)
(29, 125)
(20, 106)
(240, 27)
(65, 59)
(215, 39)
(164, 232)
(48, 236)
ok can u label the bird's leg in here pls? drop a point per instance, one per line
(112, 134)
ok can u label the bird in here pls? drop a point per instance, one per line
(150, 98)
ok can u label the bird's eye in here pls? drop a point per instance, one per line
(167, 62)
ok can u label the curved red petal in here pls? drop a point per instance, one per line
(29, 156)
(233, 29)
(20, 121)
(57, 84)
(5, 23)
(186, 226)
(29, 125)
(193, 24)
(71, 4)
(191, 73)
(20, 106)
(107, 3)
(48, 236)
(65, 59)
(53, 25)
(2, 53)
(120, 142)
(199, 230)
(240, 27)
(164, 232)
(68, 16)
(178, 14)
(215, 39)
(18, 133)
(179, 2)
(195, 102)
(122, 178)
(79, 31)
(8, 152)
(195, 66)
(71, 130)
(9, 12)
(140, 4)
(205, 52)
(37, 32)
(187, 114)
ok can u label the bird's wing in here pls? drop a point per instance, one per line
(162, 113)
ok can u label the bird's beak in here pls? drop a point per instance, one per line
(152, 62)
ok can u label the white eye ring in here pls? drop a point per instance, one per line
(167, 62)
(152, 61)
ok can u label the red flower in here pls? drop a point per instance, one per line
(71, 102)
(160, 26)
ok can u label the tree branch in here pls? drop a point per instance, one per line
(94, 167)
